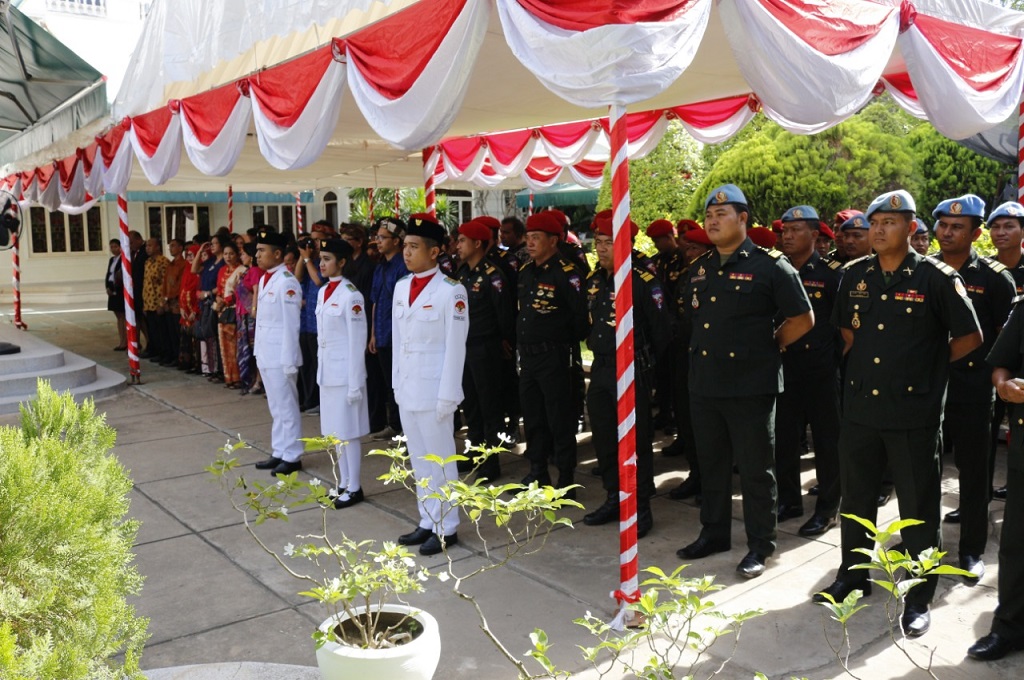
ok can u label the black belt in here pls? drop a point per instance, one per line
(528, 349)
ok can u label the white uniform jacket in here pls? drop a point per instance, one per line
(429, 343)
(341, 337)
(277, 321)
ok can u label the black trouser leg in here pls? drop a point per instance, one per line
(822, 399)
(309, 390)
(664, 390)
(1009, 618)
(155, 334)
(481, 383)
(394, 420)
(684, 421)
(967, 427)
(998, 413)
(170, 332)
(789, 425)
(375, 393)
(549, 409)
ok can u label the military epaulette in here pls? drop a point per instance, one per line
(771, 252)
(853, 262)
(941, 266)
(591, 273)
(489, 269)
(994, 264)
(351, 287)
(450, 281)
(645, 275)
(834, 264)
(525, 265)
(1017, 300)
(567, 266)
(288, 274)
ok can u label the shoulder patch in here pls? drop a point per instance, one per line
(288, 274)
(941, 266)
(351, 287)
(645, 275)
(853, 262)
(994, 264)
(568, 268)
(772, 252)
(450, 281)
(488, 269)
(834, 264)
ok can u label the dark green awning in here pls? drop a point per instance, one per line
(557, 196)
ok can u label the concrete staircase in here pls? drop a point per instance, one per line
(65, 372)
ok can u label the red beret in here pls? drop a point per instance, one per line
(777, 226)
(844, 215)
(492, 223)
(699, 236)
(603, 226)
(765, 238)
(562, 217)
(683, 226)
(475, 230)
(660, 228)
(546, 222)
(826, 230)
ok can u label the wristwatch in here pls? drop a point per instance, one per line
(306, 260)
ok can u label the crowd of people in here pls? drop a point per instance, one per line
(744, 337)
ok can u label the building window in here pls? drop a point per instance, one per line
(280, 217)
(460, 202)
(57, 232)
(96, 8)
(331, 208)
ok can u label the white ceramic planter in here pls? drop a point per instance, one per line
(414, 661)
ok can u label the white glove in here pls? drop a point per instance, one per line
(445, 409)
(354, 397)
(291, 370)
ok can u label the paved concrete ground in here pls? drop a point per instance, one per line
(213, 597)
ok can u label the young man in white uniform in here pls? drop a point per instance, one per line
(430, 322)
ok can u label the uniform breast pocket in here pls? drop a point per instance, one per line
(856, 308)
(334, 310)
(910, 314)
(745, 295)
(426, 315)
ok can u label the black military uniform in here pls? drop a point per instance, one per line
(999, 411)
(650, 337)
(491, 322)
(969, 401)
(810, 367)
(668, 267)
(735, 375)
(552, 320)
(894, 388)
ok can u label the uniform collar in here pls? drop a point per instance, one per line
(973, 260)
(905, 270)
(741, 253)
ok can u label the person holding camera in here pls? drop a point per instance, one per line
(307, 273)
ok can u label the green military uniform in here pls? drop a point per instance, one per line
(735, 375)
(1008, 353)
(969, 399)
(650, 337)
(894, 388)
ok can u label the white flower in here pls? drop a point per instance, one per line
(280, 482)
(283, 511)
(409, 562)
(505, 439)
(443, 577)
(468, 445)
(315, 482)
(289, 550)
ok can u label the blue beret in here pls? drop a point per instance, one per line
(893, 201)
(968, 205)
(922, 228)
(855, 222)
(1008, 209)
(800, 212)
(724, 195)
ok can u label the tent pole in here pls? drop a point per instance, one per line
(298, 214)
(429, 167)
(16, 283)
(624, 357)
(529, 210)
(1020, 152)
(369, 212)
(231, 209)
(134, 371)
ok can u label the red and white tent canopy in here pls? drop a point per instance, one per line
(348, 93)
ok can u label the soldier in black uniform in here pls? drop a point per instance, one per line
(968, 413)
(1007, 356)
(736, 293)
(921, 239)
(1006, 227)
(650, 337)
(552, 319)
(491, 329)
(669, 264)
(810, 369)
(896, 311)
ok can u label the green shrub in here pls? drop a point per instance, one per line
(65, 547)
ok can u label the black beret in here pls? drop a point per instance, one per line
(267, 236)
(336, 246)
(426, 228)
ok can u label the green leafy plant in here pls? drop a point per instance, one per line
(66, 561)
(899, 572)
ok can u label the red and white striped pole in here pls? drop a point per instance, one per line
(398, 202)
(16, 283)
(529, 210)
(298, 213)
(134, 371)
(1020, 152)
(370, 211)
(624, 370)
(231, 209)
(430, 158)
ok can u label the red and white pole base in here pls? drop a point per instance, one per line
(16, 283)
(134, 370)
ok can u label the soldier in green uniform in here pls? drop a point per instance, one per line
(736, 293)
(650, 338)
(1007, 358)
(810, 368)
(896, 311)
(1006, 227)
(552, 318)
(968, 414)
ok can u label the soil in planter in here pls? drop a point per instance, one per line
(403, 630)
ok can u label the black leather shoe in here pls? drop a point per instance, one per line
(348, 498)
(840, 589)
(884, 497)
(817, 525)
(644, 521)
(464, 466)
(689, 488)
(490, 469)
(790, 512)
(752, 565)
(999, 493)
(286, 468)
(564, 480)
(952, 517)
(915, 620)
(673, 450)
(415, 537)
(542, 479)
(432, 546)
(703, 547)
(973, 564)
(991, 647)
(608, 512)
(269, 463)
(813, 491)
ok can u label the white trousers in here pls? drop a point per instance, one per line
(286, 423)
(347, 422)
(426, 435)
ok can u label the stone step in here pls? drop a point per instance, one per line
(106, 384)
(31, 358)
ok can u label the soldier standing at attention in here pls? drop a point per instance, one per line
(921, 239)
(811, 371)
(277, 353)
(552, 318)
(736, 292)
(897, 312)
(968, 414)
(651, 337)
(856, 243)
(669, 264)
(430, 323)
(1006, 227)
